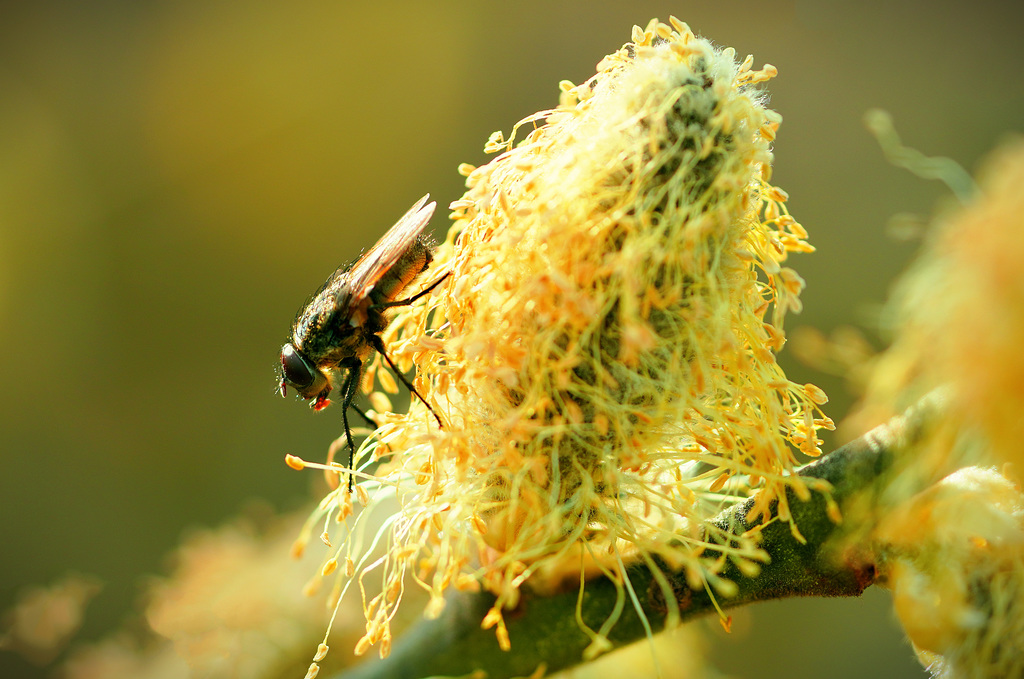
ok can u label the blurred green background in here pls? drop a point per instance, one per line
(176, 178)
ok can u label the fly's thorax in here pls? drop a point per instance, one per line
(324, 324)
(334, 338)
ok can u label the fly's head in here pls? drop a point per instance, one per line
(304, 377)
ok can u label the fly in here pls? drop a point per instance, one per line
(339, 329)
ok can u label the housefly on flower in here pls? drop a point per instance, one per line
(339, 329)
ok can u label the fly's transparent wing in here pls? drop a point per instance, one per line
(379, 259)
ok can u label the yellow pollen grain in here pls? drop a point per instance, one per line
(380, 402)
(834, 513)
(375, 630)
(387, 381)
(492, 618)
(467, 583)
(749, 569)
(394, 589)
(405, 552)
(424, 473)
(719, 483)
(815, 394)
(504, 642)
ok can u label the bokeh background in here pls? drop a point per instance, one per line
(177, 177)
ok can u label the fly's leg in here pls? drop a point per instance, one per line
(409, 300)
(378, 345)
(348, 390)
(366, 418)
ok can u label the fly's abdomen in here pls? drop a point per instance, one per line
(411, 264)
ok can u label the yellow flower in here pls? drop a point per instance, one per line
(603, 352)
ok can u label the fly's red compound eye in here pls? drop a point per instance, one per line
(296, 372)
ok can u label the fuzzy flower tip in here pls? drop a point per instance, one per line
(953, 561)
(603, 352)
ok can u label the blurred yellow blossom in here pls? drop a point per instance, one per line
(954, 563)
(954, 552)
(233, 607)
(45, 618)
(959, 315)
